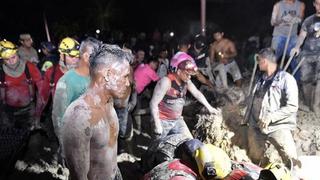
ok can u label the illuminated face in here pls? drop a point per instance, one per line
(27, 42)
(154, 65)
(316, 4)
(262, 63)
(71, 62)
(140, 56)
(184, 75)
(117, 82)
(218, 36)
(12, 60)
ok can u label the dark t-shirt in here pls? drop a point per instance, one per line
(312, 26)
(199, 58)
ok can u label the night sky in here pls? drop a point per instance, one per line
(239, 18)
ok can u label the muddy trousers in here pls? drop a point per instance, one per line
(21, 118)
(140, 109)
(262, 147)
(125, 123)
(125, 129)
(310, 81)
(175, 127)
(221, 75)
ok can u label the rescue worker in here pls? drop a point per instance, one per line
(212, 162)
(169, 97)
(91, 127)
(19, 82)
(309, 57)
(271, 112)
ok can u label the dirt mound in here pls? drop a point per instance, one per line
(307, 134)
(212, 129)
(225, 131)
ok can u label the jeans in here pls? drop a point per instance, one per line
(125, 123)
(175, 127)
(278, 44)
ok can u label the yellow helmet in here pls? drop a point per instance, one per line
(275, 171)
(69, 47)
(7, 49)
(212, 162)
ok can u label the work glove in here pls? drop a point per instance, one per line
(295, 51)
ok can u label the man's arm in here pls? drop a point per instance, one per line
(37, 81)
(200, 77)
(301, 38)
(44, 91)
(231, 50)
(60, 104)
(76, 145)
(133, 100)
(153, 75)
(200, 97)
(302, 9)
(274, 21)
(159, 92)
(212, 52)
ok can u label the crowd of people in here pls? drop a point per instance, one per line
(92, 92)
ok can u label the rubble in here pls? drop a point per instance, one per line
(212, 129)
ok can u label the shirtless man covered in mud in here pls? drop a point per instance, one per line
(223, 51)
(91, 127)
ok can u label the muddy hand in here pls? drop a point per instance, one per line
(157, 128)
(213, 110)
(294, 51)
(264, 123)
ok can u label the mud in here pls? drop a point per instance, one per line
(223, 130)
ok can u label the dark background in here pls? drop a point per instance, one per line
(238, 18)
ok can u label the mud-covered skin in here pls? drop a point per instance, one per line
(162, 88)
(90, 140)
(90, 129)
